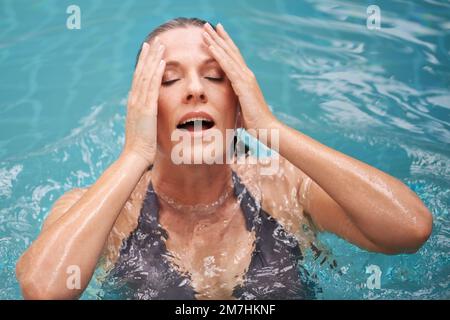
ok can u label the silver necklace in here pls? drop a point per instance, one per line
(205, 208)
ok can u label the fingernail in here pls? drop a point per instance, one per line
(144, 45)
(219, 25)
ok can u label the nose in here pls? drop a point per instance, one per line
(195, 92)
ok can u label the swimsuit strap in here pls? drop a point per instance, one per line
(248, 204)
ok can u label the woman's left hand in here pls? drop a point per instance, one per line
(254, 109)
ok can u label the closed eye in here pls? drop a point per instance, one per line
(214, 79)
(169, 82)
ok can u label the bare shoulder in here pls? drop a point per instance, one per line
(280, 188)
(125, 223)
(278, 179)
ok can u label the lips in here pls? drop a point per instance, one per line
(198, 120)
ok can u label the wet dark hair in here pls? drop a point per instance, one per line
(180, 22)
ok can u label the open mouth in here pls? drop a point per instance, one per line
(196, 124)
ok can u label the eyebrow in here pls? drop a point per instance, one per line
(175, 63)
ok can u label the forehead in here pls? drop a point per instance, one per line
(184, 45)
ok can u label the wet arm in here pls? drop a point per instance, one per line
(76, 237)
(355, 200)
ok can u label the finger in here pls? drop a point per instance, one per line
(221, 42)
(140, 74)
(221, 31)
(151, 52)
(230, 67)
(147, 74)
(138, 70)
(212, 37)
(142, 58)
(152, 46)
(210, 42)
(153, 90)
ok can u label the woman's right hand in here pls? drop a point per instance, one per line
(142, 106)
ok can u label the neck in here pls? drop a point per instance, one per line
(190, 184)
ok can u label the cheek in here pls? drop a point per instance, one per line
(162, 98)
(231, 96)
(225, 95)
(228, 106)
(169, 100)
(164, 116)
(166, 103)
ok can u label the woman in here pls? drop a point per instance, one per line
(211, 230)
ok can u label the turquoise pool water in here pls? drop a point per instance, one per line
(381, 96)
